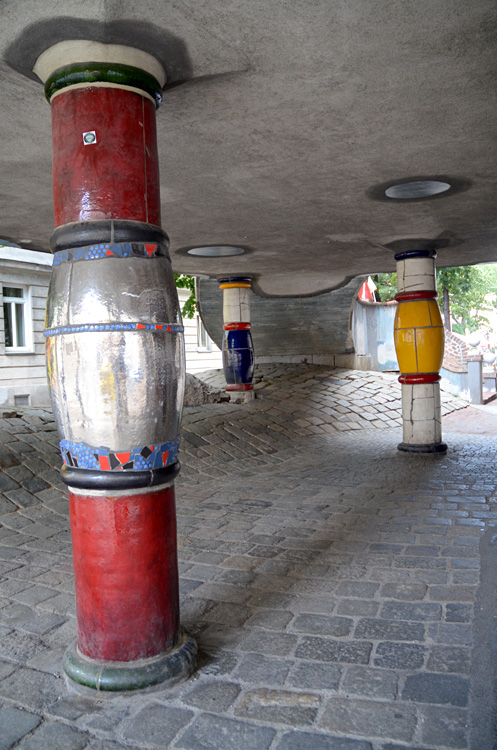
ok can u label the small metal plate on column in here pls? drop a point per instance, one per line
(89, 138)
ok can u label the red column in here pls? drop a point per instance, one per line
(115, 357)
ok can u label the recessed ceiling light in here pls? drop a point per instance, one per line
(216, 251)
(417, 189)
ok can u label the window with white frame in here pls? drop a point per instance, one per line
(16, 319)
(204, 341)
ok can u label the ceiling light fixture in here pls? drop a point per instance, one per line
(416, 189)
(216, 251)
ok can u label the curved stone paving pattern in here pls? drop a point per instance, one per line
(329, 580)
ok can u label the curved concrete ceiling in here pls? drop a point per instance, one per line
(281, 126)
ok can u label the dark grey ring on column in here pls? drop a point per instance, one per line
(165, 670)
(82, 233)
(415, 448)
(92, 479)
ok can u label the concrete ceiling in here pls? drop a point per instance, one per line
(279, 120)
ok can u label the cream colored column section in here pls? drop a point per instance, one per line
(416, 275)
(236, 305)
(421, 414)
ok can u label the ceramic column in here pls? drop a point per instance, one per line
(238, 349)
(115, 357)
(419, 342)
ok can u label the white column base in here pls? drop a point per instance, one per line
(422, 418)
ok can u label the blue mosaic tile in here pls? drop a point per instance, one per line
(136, 326)
(143, 458)
(107, 250)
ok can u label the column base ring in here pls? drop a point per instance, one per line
(420, 448)
(165, 670)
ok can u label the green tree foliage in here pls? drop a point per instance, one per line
(386, 286)
(187, 282)
(468, 288)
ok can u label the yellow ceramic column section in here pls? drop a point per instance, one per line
(419, 342)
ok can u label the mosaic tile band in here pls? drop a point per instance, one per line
(95, 327)
(108, 250)
(143, 458)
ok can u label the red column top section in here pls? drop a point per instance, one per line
(117, 176)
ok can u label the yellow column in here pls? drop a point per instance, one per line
(419, 342)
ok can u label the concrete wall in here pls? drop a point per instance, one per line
(22, 374)
(372, 333)
(292, 329)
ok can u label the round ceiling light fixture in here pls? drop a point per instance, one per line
(417, 189)
(216, 251)
(420, 187)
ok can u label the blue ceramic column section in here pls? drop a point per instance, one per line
(238, 348)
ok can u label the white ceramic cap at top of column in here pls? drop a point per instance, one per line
(74, 51)
(416, 275)
(421, 413)
(236, 305)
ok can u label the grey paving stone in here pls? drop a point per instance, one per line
(217, 664)
(404, 591)
(323, 625)
(272, 619)
(15, 724)
(279, 706)
(361, 589)
(30, 688)
(376, 683)
(212, 696)
(19, 647)
(15, 614)
(361, 607)
(384, 720)
(156, 724)
(459, 612)
(22, 498)
(314, 676)
(71, 707)
(209, 732)
(321, 649)
(436, 688)
(35, 484)
(263, 670)
(56, 737)
(418, 611)
(6, 668)
(272, 644)
(34, 594)
(389, 630)
(233, 615)
(8, 460)
(7, 483)
(446, 727)
(395, 655)
(444, 633)
(449, 659)
(42, 623)
(307, 741)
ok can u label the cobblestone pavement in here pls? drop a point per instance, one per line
(342, 594)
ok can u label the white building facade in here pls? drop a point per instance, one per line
(24, 280)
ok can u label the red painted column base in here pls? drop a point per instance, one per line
(125, 565)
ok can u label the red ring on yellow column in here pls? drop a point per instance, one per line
(408, 296)
(429, 377)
